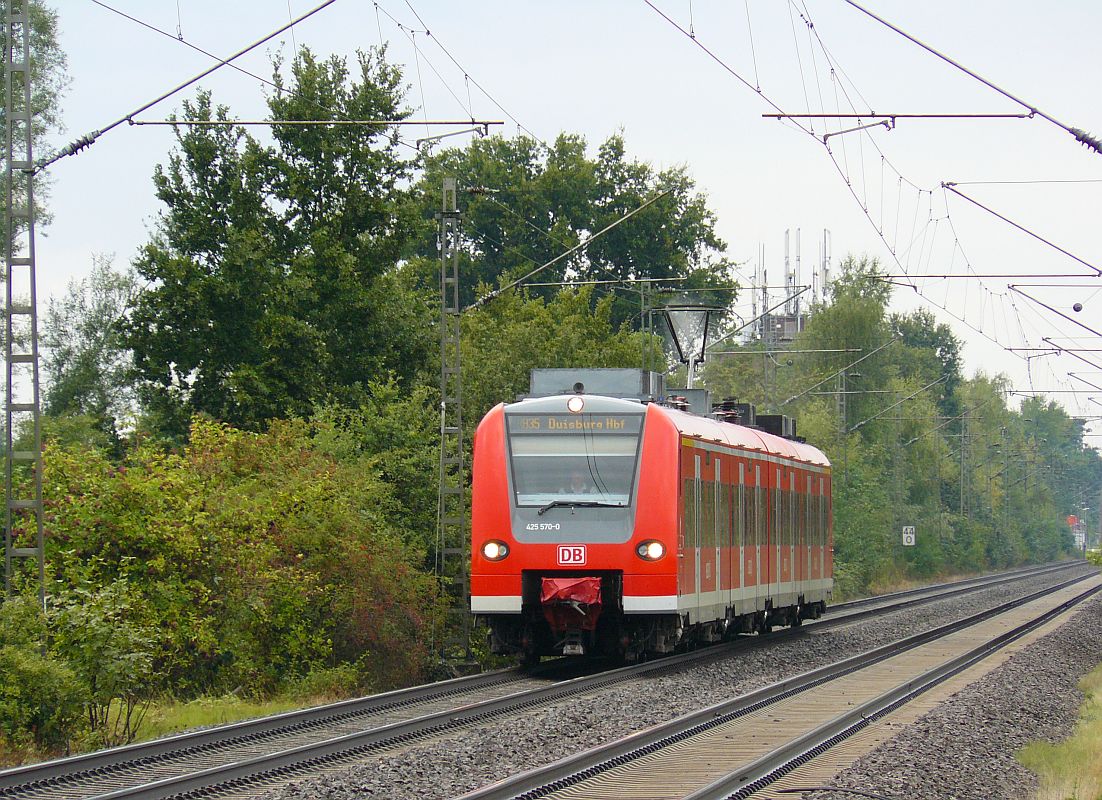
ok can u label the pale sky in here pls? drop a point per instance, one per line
(603, 66)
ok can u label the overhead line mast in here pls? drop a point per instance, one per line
(22, 468)
(451, 524)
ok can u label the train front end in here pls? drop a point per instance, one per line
(574, 526)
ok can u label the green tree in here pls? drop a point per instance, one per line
(529, 204)
(276, 283)
(509, 336)
(88, 370)
(49, 80)
(933, 352)
(396, 432)
(109, 645)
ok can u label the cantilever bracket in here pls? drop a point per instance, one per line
(887, 123)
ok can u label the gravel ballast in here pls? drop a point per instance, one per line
(966, 746)
(478, 756)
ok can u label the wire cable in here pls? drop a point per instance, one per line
(1081, 136)
(90, 138)
(466, 74)
(179, 38)
(952, 188)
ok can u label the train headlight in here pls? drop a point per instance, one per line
(575, 405)
(651, 550)
(494, 550)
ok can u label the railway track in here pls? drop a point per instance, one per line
(249, 758)
(738, 748)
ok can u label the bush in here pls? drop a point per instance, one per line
(249, 560)
(326, 683)
(109, 646)
(40, 697)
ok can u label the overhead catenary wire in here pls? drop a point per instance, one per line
(1055, 311)
(952, 188)
(581, 245)
(90, 138)
(836, 373)
(466, 74)
(240, 69)
(843, 173)
(179, 38)
(898, 403)
(1080, 135)
(880, 228)
(338, 122)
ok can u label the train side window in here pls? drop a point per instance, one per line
(778, 511)
(812, 513)
(824, 520)
(798, 511)
(808, 517)
(793, 533)
(741, 541)
(759, 508)
(707, 514)
(753, 522)
(721, 505)
(688, 536)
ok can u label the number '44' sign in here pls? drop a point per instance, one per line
(909, 535)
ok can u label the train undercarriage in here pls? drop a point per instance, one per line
(576, 614)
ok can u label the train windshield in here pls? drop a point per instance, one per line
(563, 459)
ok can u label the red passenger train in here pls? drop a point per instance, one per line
(604, 525)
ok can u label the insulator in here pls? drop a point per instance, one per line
(1090, 141)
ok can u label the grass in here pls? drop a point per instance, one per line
(165, 719)
(1072, 769)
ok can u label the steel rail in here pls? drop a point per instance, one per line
(67, 771)
(250, 729)
(955, 587)
(582, 766)
(767, 769)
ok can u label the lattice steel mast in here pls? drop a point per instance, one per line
(451, 534)
(23, 468)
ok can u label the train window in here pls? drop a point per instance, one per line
(793, 523)
(584, 457)
(688, 519)
(824, 526)
(806, 513)
(730, 514)
(708, 514)
(722, 506)
(759, 508)
(778, 509)
(740, 529)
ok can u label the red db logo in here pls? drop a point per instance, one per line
(572, 555)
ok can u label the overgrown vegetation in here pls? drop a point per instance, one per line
(916, 443)
(1071, 770)
(242, 426)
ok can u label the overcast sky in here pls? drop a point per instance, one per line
(599, 67)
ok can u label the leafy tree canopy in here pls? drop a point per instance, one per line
(525, 204)
(274, 267)
(509, 336)
(49, 80)
(87, 368)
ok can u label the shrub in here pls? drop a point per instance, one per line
(40, 697)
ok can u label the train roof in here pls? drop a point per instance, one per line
(688, 424)
(741, 436)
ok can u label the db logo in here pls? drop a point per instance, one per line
(572, 554)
